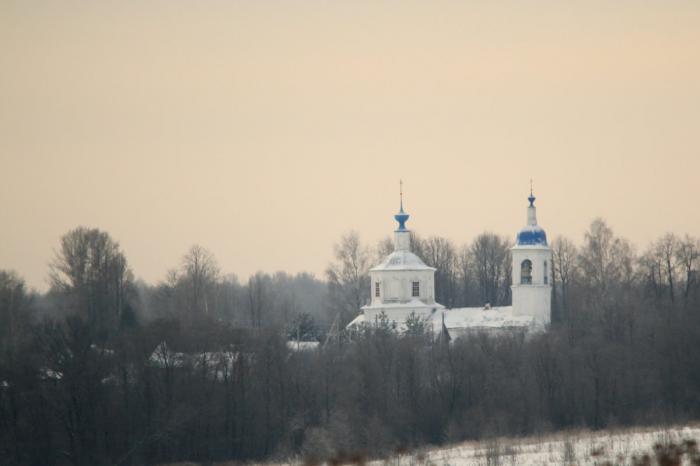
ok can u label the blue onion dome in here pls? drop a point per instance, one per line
(532, 234)
(402, 217)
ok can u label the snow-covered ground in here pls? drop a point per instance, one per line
(634, 447)
(614, 447)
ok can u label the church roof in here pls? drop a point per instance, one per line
(414, 304)
(467, 318)
(402, 260)
(480, 318)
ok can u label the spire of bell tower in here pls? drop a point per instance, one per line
(531, 210)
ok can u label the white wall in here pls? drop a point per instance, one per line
(533, 299)
(396, 286)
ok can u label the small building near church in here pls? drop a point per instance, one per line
(403, 286)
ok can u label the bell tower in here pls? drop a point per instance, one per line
(532, 270)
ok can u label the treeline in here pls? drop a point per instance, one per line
(105, 370)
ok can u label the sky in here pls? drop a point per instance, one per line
(265, 130)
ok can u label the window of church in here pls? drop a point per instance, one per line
(526, 272)
(416, 289)
(546, 278)
(376, 289)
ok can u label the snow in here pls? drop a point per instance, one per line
(479, 317)
(302, 345)
(402, 260)
(359, 320)
(458, 321)
(532, 229)
(412, 303)
(582, 448)
(162, 356)
(216, 363)
(103, 351)
(50, 374)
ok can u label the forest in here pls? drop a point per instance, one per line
(104, 369)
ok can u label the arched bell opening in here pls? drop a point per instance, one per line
(526, 272)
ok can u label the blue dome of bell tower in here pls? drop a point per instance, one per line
(532, 234)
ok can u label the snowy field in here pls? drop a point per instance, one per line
(669, 446)
(621, 447)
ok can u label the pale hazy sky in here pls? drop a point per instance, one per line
(264, 130)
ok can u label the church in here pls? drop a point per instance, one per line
(403, 286)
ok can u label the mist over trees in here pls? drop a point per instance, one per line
(103, 369)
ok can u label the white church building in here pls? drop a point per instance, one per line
(402, 286)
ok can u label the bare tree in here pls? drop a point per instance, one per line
(688, 259)
(258, 297)
(384, 247)
(465, 270)
(440, 253)
(667, 249)
(14, 307)
(605, 259)
(661, 265)
(564, 254)
(200, 274)
(607, 265)
(418, 245)
(348, 276)
(491, 261)
(650, 271)
(92, 272)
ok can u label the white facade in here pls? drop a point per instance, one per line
(402, 277)
(402, 285)
(535, 298)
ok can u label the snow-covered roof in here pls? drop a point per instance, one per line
(359, 320)
(414, 304)
(402, 260)
(478, 317)
(163, 356)
(466, 318)
(302, 345)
